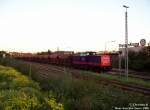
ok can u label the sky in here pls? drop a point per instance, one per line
(78, 25)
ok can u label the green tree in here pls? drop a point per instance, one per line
(140, 60)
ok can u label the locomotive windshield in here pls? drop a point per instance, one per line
(87, 53)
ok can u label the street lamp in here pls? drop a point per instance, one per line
(126, 40)
(106, 44)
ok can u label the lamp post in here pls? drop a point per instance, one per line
(126, 40)
(106, 44)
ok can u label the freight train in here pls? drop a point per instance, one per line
(84, 60)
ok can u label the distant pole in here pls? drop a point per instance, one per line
(126, 40)
(119, 54)
(30, 71)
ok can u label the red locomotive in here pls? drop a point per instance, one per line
(84, 60)
(92, 61)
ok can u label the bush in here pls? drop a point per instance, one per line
(18, 100)
(18, 92)
(10, 78)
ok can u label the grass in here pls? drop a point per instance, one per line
(129, 80)
(89, 95)
(122, 79)
(125, 80)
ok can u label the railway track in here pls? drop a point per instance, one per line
(128, 87)
(44, 70)
(133, 88)
(133, 74)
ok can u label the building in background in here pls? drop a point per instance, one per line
(136, 47)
